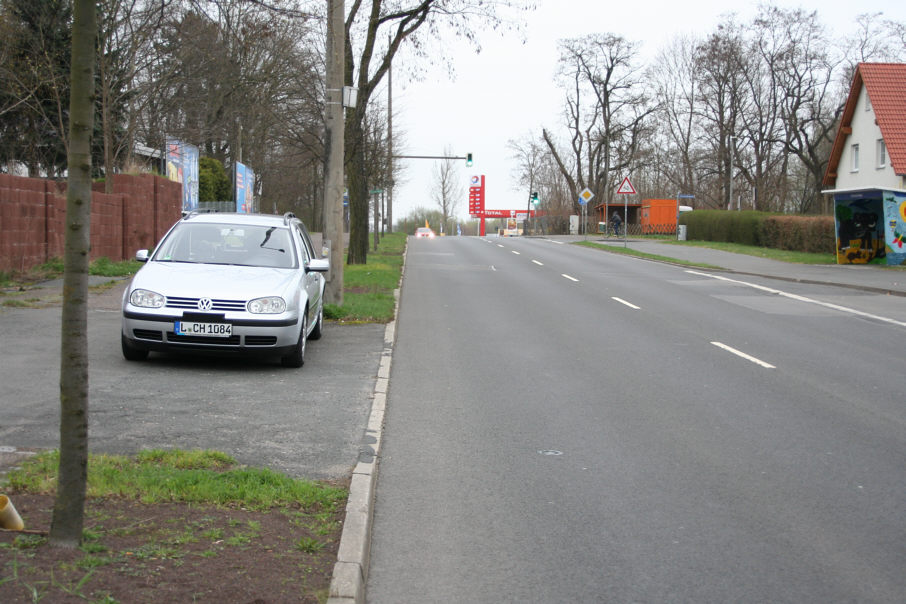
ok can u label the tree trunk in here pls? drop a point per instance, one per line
(358, 194)
(69, 505)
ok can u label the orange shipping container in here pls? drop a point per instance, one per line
(659, 216)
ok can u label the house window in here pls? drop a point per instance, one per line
(855, 154)
(882, 153)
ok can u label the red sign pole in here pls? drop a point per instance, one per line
(476, 200)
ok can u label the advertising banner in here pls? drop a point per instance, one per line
(245, 189)
(182, 166)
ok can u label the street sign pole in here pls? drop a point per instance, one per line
(584, 197)
(625, 189)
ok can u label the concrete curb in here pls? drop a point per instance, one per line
(350, 573)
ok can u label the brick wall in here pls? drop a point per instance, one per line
(33, 218)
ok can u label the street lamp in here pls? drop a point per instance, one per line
(732, 147)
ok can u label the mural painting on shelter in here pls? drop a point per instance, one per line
(860, 230)
(895, 227)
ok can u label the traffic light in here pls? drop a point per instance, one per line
(535, 200)
(468, 159)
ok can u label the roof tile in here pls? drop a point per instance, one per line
(885, 84)
(886, 87)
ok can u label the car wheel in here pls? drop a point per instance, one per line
(316, 332)
(130, 353)
(297, 357)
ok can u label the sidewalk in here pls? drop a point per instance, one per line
(865, 277)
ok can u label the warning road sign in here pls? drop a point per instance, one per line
(626, 187)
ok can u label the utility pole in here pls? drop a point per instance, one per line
(732, 146)
(389, 214)
(333, 174)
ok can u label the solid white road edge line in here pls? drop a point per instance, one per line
(624, 302)
(799, 298)
(747, 357)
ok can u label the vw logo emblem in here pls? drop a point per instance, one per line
(205, 304)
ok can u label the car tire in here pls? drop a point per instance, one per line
(296, 358)
(317, 330)
(130, 353)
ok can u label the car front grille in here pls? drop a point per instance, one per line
(230, 341)
(217, 305)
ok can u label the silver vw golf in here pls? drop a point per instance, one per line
(232, 283)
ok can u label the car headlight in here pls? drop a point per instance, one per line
(272, 305)
(146, 299)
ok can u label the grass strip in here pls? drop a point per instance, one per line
(368, 288)
(198, 476)
(626, 251)
(762, 252)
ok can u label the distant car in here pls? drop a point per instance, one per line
(228, 283)
(424, 232)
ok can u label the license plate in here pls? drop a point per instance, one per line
(210, 330)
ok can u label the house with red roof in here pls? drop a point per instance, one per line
(866, 172)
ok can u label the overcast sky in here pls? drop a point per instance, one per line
(508, 90)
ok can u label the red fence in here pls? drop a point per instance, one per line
(33, 218)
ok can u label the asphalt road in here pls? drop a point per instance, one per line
(304, 422)
(566, 425)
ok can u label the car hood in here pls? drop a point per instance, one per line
(216, 280)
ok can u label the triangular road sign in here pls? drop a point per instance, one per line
(626, 187)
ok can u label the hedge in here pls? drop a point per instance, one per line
(763, 229)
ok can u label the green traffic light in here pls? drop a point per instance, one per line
(468, 159)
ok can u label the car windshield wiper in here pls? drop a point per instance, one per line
(267, 236)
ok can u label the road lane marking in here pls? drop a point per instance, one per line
(570, 278)
(799, 298)
(747, 357)
(517, 253)
(554, 241)
(624, 302)
(499, 245)
(538, 263)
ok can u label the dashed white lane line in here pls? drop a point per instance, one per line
(570, 278)
(625, 303)
(515, 252)
(538, 263)
(799, 298)
(743, 355)
(499, 245)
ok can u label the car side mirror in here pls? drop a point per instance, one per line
(141, 255)
(318, 265)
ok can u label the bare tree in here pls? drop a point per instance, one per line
(126, 30)
(720, 65)
(606, 113)
(672, 76)
(368, 59)
(447, 192)
(69, 504)
(795, 47)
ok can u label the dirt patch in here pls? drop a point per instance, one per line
(171, 553)
(103, 292)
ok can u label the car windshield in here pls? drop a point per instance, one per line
(235, 244)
